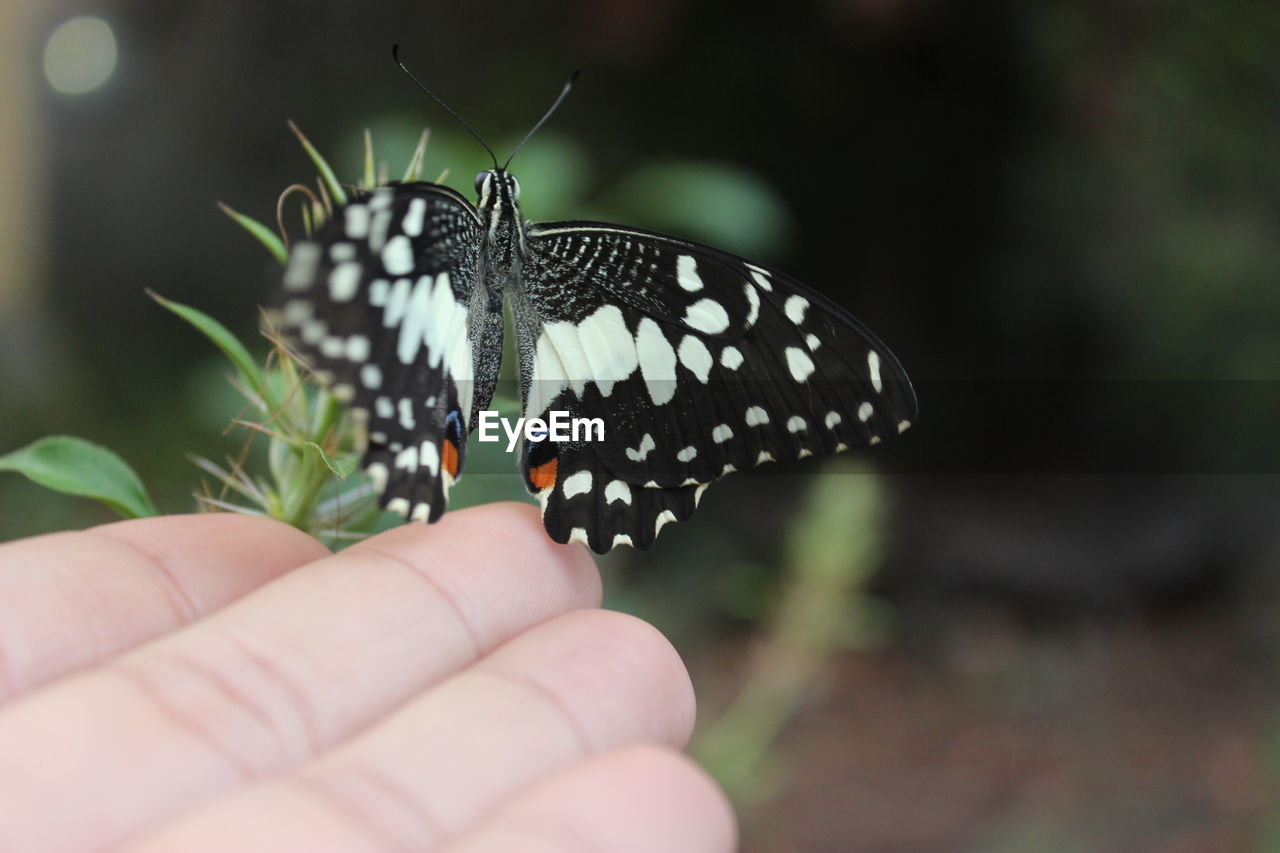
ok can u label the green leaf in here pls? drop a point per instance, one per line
(370, 175)
(74, 466)
(412, 173)
(222, 339)
(322, 166)
(342, 466)
(262, 233)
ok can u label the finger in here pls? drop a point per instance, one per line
(70, 600)
(581, 684)
(633, 800)
(280, 675)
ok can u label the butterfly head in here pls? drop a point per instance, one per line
(499, 194)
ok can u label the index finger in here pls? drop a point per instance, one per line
(72, 600)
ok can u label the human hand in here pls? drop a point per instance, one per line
(217, 682)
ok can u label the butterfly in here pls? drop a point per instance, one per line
(696, 362)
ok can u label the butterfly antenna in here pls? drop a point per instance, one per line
(395, 54)
(568, 84)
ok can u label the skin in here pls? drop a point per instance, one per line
(216, 682)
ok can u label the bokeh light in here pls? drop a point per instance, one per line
(80, 55)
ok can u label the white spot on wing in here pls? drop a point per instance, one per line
(356, 221)
(657, 361)
(429, 457)
(416, 314)
(833, 420)
(384, 408)
(761, 277)
(378, 230)
(297, 312)
(406, 413)
(707, 315)
(638, 454)
(799, 363)
(576, 484)
(694, 355)
(313, 331)
(756, 416)
(414, 217)
(812, 341)
(407, 459)
(397, 257)
(721, 434)
(622, 539)
(663, 518)
(358, 348)
(400, 506)
(302, 266)
(378, 290)
(344, 281)
(795, 423)
(687, 273)
(731, 357)
(397, 302)
(377, 474)
(873, 367)
(617, 490)
(687, 454)
(903, 426)
(607, 347)
(371, 376)
(865, 411)
(331, 347)
(795, 308)
(753, 304)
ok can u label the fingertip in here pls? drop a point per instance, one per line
(634, 799)
(518, 528)
(496, 552)
(672, 776)
(637, 648)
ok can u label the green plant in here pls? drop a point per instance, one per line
(305, 476)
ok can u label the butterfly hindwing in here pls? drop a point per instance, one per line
(383, 302)
(583, 501)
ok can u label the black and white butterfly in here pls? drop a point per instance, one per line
(698, 362)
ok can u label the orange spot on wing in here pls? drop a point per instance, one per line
(544, 476)
(451, 458)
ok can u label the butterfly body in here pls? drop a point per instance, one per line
(696, 362)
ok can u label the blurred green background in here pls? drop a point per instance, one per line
(1044, 619)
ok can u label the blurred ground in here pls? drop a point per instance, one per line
(1153, 736)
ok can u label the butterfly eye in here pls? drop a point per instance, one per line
(480, 179)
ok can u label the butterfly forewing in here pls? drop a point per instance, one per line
(383, 302)
(697, 362)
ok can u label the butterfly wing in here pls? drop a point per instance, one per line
(384, 303)
(697, 362)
